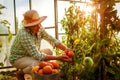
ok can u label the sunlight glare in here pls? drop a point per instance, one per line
(87, 7)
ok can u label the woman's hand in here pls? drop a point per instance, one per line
(65, 58)
(69, 52)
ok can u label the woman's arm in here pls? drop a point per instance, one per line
(67, 51)
(61, 46)
(60, 57)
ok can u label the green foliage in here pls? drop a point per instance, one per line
(1, 7)
(6, 23)
(1, 64)
(5, 77)
(9, 35)
(96, 47)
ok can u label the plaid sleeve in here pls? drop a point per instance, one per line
(49, 38)
(29, 45)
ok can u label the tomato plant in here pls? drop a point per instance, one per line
(95, 55)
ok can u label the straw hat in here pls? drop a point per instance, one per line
(32, 18)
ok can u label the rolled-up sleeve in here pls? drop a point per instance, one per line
(49, 38)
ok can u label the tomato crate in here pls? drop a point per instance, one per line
(53, 76)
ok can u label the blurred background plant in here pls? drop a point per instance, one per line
(4, 73)
(5, 23)
(94, 41)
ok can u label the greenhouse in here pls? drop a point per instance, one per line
(59, 39)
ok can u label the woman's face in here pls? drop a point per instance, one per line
(35, 28)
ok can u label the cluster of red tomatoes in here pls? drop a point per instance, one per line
(50, 67)
(46, 67)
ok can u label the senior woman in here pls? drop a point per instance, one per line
(25, 50)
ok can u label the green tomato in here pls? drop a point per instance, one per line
(88, 61)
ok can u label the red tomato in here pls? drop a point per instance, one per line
(47, 70)
(70, 54)
(55, 64)
(42, 64)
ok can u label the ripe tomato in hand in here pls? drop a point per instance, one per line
(70, 54)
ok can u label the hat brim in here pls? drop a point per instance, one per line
(41, 19)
